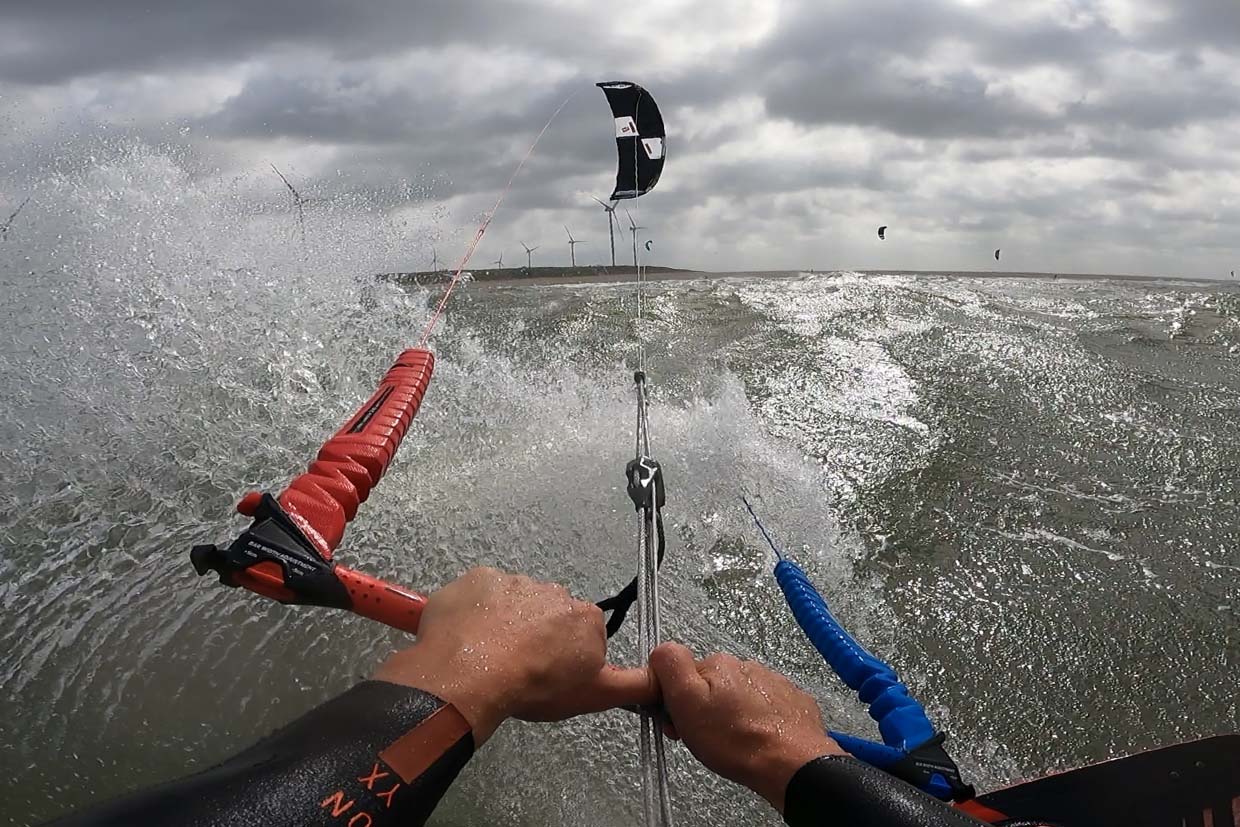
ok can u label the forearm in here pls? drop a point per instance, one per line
(841, 790)
(380, 754)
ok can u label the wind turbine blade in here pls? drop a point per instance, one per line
(632, 223)
(20, 207)
(296, 196)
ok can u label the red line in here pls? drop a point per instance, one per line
(482, 229)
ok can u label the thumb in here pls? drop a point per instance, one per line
(675, 670)
(615, 686)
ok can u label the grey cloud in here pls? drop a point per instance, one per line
(1194, 24)
(843, 91)
(311, 70)
(1169, 106)
(71, 38)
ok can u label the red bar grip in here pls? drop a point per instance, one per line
(381, 601)
(370, 597)
(326, 497)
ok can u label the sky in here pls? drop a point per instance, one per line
(1078, 135)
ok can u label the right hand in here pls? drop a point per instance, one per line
(741, 720)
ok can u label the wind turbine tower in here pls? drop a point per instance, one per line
(572, 245)
(529, 256)
(633, 228)
(611, 227)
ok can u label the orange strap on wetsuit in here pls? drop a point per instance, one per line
(380, 755)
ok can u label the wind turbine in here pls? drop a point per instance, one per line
(299, 203)
(611, 229)
(633, 228)
(434, 260)
(572, 245)
(529, 256)
(4, 228)
(499, 262)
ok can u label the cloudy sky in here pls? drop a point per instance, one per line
(1079, 135)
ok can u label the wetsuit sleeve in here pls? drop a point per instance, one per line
(838, 790)
(377, 756)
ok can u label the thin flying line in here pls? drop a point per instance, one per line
(762, 528)
(482, 228)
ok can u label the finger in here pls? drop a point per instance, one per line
(481, 573)
(718, 670)
(619, 687)
(598, 623)
(676, 672)
(592, 613)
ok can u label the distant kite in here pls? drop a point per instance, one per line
(997, 254)
(648, 243)
(882, 232)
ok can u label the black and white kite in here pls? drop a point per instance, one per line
(882, 232)
(640, 138)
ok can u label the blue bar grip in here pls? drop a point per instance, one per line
(901, 720)
(887, 758)
(874, 754)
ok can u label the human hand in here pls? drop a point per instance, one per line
(741, 720)
(500, 646)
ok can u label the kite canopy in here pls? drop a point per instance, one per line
(997, 255)
(639, 138)
(882, 232)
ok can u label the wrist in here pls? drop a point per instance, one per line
(775, 769)
(475, 694)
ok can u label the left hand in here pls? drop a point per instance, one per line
(499, 646)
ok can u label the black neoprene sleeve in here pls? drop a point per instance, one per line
(836, 790)
(377, 756)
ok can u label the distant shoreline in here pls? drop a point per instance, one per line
(545, 275)
(509, 276)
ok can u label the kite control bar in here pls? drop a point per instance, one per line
(912, 750)
(286, 553)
